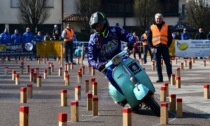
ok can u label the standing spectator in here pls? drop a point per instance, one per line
(159, 39)
(16, 37)
(54, 29)
(28, 36)
(78, 51)
(39, 37)
(185, 35)
(208, 36)
(173, 35)
(117, 24)
(56, 35)
(146, 48)
(5, 36)
(47, 37)
(136, 48)
(68, 36)
(200, 34)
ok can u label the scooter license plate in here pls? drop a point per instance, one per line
(134, 68)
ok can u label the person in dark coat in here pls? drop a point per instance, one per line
(208, 36)
(200, 34)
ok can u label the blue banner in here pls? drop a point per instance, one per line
(17, 49)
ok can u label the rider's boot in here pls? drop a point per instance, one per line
(122, 103)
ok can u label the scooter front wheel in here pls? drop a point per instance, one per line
(149, 101)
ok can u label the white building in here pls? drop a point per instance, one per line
(9, 12)
(63, 8)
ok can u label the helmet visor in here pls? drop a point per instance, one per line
(93, 26)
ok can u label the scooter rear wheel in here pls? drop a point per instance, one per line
(149, 101)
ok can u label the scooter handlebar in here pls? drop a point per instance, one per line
(116, 57)
(121, 54)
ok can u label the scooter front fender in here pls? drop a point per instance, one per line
(140, 91)
(115, 94)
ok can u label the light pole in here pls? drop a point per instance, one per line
(62, 11)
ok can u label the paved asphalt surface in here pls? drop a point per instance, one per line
(45, 104)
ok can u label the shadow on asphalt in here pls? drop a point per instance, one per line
(144, 112)
(92, 121)
(49, 96)
(9, 96)
(173, 115)
(197, 115)
(110, 115)
(108, 110)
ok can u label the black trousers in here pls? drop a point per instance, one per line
(162, 51)
(68, 51)
(145, 49)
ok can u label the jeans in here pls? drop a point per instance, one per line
(68, 47)
(164, 52)
(138, 52)
(145, 49)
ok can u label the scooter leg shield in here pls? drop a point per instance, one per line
(115, 94)
(140, 91)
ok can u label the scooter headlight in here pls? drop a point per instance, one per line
(116, 60)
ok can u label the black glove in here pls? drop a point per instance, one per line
(128, 52)
(130, 46)
(102, 67)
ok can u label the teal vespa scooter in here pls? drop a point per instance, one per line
(133, 81)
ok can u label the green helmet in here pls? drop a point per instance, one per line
(98, 17)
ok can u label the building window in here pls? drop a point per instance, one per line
(117, 8)
(50, 3)
(170, 7)
(183, 9)
(14, 3)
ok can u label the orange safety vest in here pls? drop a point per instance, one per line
(69, 33)
(159, 36)
(145, 41)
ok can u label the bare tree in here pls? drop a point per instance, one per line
(198, 14)
(144, 11)
(33, 12)
(85, 8)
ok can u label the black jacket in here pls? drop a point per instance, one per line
(149, 36)
(208, 36)
(200, 35)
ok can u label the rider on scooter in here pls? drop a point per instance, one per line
(105, 43)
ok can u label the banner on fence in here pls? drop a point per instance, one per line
(21, 49)
(192, 48)
(48, 48)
